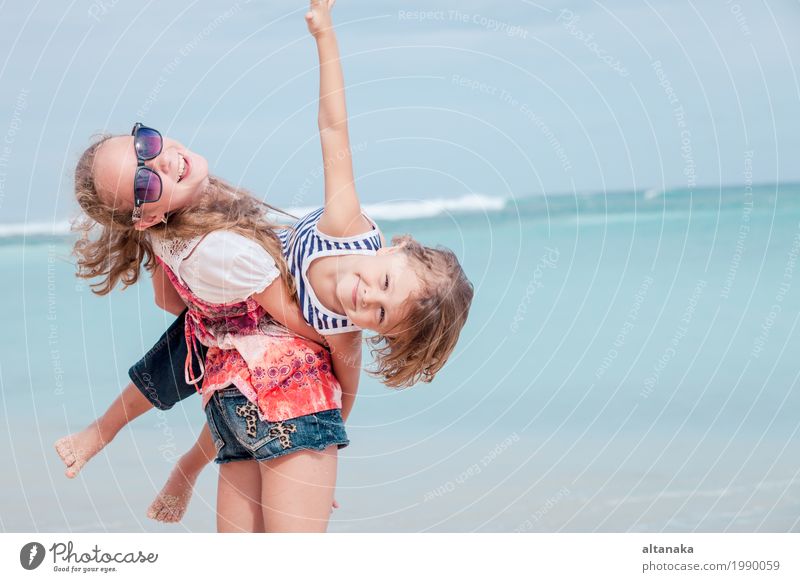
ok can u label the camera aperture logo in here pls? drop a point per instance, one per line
(67, 559)
(31, 555)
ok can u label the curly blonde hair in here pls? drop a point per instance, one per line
(435, 316)
(113, 250)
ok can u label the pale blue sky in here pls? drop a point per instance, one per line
(502, 98)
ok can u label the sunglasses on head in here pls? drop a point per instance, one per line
(147, 142)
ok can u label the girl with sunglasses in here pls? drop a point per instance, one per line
(335, 266)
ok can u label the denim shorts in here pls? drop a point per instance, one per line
(239, 435)
(159, 374)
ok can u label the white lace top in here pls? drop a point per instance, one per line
(220, 267)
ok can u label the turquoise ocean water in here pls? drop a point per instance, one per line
(630, 364)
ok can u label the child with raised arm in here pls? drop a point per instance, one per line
(416, 299)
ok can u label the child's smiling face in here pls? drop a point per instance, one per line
(373, 290)
(115, 167)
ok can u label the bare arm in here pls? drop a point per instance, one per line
(346, 357)
(345, 348)
(276, 301)
(166, 296)
(342, 214)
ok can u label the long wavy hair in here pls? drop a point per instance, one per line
(111, 249)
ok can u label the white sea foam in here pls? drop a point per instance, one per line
(652, 193)
(468, 204)
(34, 229)
(411, 209)
(383, 211)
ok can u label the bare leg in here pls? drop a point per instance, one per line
(297, 490)
(172, 501)
(78, 448)
(239, 497)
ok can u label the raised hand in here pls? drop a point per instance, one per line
(318, 17)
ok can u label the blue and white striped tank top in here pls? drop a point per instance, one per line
(305, 243)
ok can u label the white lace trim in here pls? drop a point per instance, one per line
(174, 250)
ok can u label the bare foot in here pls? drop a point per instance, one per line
(172, 501)
(78, 448)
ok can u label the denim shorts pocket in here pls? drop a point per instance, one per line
(252, 433)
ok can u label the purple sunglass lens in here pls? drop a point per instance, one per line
(148, 143)
(147, 186)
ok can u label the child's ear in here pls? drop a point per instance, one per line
(147, 221)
